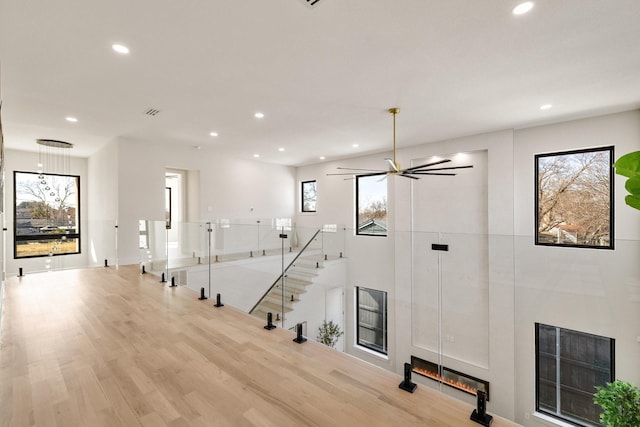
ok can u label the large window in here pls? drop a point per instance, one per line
(574, 198)
(46, 214)
(372, 319)
(569, 365)
(309, 196)
(371, 205)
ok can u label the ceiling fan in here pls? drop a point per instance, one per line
(394, 166)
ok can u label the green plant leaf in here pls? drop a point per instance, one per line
(629, 164)
(633, 185)
(633, 201)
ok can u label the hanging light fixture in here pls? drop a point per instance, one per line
(54, 159)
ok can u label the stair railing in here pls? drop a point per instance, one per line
(284, 272)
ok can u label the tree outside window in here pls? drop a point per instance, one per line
(309, 196)
(574, 192)
(46, 214)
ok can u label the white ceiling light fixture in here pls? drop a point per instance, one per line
(322, 157)
(259, 115)
(256, 156)
(522, 8)
(546, 106)
(394, 167)
(281, 149)
(214, 134)
(122, 49)
(356, 145)
(71, 119)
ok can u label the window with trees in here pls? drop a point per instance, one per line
(574, 198)
(309, 196)
(46, 214)
(569, 365)
(372, 319)
(371, 206)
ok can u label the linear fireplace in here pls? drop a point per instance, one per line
(449, 377)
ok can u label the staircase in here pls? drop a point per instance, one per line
(297, 278)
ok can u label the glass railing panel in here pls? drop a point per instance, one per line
(102, 241)
(333, 236)
(187, 244)
(236, 240)
(153, 245)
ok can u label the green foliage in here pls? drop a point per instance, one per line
(620, 402)
(629, 166)
(329, 333)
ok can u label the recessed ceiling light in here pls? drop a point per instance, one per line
(72, 119)
(545, 106)
(259, 115)
(281, 149)
(213, 133)
(120, 48)
(355, 145)
(523, 8)
(256, 155)
(322, 157)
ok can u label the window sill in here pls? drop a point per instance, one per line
(372, 353)
(551, 420)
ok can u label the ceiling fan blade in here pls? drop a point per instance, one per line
(426, 165)
(372, 174)
(433, 173)
(438, 169)
(356, 169)
(392, 165)
(409, 176)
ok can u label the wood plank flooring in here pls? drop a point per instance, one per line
(111, 347)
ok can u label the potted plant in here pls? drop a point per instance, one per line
(620, 402)
(329, 333)
(629, 166)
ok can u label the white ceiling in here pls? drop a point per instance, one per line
(324, 76)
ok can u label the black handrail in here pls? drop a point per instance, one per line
(285, 271)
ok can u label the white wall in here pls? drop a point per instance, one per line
(102, 201)
(590, 290)
(27, 161)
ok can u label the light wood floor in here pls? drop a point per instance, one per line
(111, 347)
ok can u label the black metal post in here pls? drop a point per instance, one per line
(218, 303)
(299, 338)
(202, 297)
(106, 264)
(269, 326)
(20, 272)
(479, 414)
(162, 279)
(173, 282)
(143, 270)
(406, 384)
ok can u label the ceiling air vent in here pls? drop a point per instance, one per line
(311, 3)
(152, 111)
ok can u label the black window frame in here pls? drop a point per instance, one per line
(302, 198)
(384, 349)
(537, 241)
(43, 236)
(588, 394)
(358, 225)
